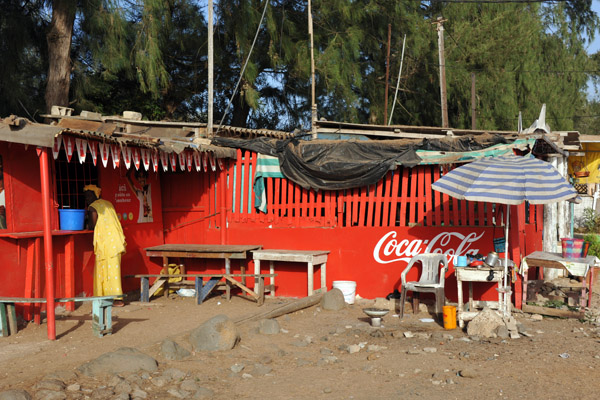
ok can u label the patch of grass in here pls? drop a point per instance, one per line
(554, 304)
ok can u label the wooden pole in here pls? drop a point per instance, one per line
(313, 102)
(284, 309)
(209, 125)
(550, 229)
(444, 103)
(398, 82)
(48, 251)
(473, 104)
(387, 72)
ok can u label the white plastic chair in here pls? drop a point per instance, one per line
(431, 280)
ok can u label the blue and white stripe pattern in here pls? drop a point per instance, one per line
(506, 180)
(266, 167)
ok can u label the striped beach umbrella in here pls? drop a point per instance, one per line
(507, 180)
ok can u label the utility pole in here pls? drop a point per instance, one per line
(443, 100)
(387, 71)
(209, 125)
(473, 105)
(313, 101)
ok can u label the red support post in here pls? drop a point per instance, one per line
(49, 266)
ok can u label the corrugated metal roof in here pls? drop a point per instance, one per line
(20, 130)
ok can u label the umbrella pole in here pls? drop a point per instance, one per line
(506, 298)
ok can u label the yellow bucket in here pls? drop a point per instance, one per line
(449, 317)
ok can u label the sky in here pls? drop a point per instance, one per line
(595, 45)
(593, 48)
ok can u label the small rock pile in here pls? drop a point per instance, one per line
(489, 324)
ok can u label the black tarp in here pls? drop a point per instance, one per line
(344, 164)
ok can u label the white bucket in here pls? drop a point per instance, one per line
(348, 289)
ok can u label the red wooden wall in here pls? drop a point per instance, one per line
(400, 213)
(371, 232)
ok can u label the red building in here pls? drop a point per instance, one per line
(169, 184)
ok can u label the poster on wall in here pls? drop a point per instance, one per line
(131, 194)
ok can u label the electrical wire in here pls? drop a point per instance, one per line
(244, 68)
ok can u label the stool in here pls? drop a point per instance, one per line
(102, 317)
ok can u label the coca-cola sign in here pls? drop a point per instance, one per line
(389, 249)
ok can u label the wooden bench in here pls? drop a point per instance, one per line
(203, 289)
(101, 312)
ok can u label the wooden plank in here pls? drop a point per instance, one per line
(415, 200)
(84, 299)
(4, 330)
(286, 212)
(362, 215)
(246, 202)
(371, 204)
(242, 286)
(396, 175)
(471, 213)
(378, 202)
(276, 200)
(329, 198)
(437, 198)
(270, 188)
(480, 214)
(553, 312)
(355, 206)
(237, 184)
(156, 285)
(404, 197)
(426, 185)
(29, 277)
(447, 213)
(320, 216)
(22, 300)
(284, 309)
(305, 196)
(489, 214)
(70, 271)
(464, 205)
(297, 201)
(37, 287)
(12, 318)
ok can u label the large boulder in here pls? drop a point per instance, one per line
(485, 324)
(333, 300)
(123, 360)
(218, 333)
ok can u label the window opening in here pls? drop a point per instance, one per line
(71, 177)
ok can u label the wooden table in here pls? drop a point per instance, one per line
(467, 274)
(310, 257)
(543, 259)
(207, 251)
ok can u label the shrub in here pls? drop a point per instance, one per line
(594, 240)
(590, 220)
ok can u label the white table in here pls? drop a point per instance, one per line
(311, 257)
(467, 274)
(578, 267)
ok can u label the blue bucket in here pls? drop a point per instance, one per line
(71, 219)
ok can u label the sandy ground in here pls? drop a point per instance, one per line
(309, 358)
